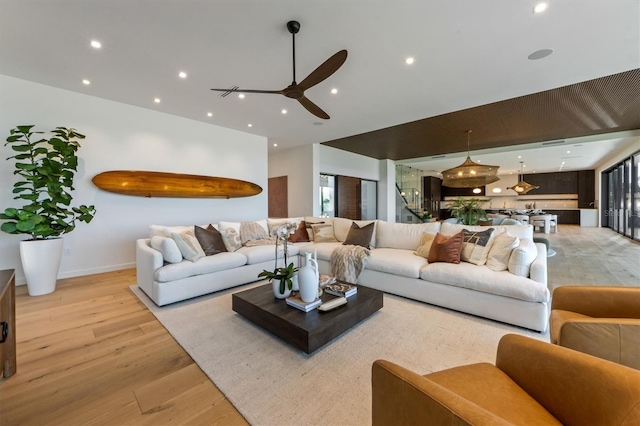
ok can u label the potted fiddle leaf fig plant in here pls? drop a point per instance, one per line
(46, 168)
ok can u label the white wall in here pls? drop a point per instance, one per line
(120, 136)
(304, 164)
(335, 161)
(302, 177)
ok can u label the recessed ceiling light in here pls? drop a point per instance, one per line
(96, 44)
(477, 190)
(86, 82)
(182, 74)
(409, 60)
(249, 125)
(209, 114)
(568, 152)
(334, 91)
(539, 54)
(497, 190)
(284, 111)
(540, 7)
(156, 100)
(519, 156)
(275, 144)
(241, 95)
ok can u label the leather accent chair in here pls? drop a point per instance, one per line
(600, 321)
(532, 383)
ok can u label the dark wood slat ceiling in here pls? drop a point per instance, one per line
(603, 105)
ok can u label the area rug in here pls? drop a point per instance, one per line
(272, 383)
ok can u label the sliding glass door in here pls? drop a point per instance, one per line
(623, 197)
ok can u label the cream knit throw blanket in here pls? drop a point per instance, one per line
(347, 262)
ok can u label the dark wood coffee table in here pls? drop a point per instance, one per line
(307, 331)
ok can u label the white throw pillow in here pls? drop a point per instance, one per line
(522, 257)
(168, 247)
(500, 252)
(231, 239)
(476, 245)
(188, 245)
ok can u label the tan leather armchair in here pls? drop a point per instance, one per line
(532, 383)
(601, 321)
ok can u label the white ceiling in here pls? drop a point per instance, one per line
(467, 53)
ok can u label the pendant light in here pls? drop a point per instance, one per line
(470, 174)
(522, 187)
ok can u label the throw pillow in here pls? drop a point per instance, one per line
(425, 244)
(445, 249)
(358, 236)
(323, 233)
(167, 246)
(301, 235)
(500, 252)
(251, 231)
(210, 240)
(309, 227)
(188, 245)
(476, 245)
(231, 239)
(522, 257)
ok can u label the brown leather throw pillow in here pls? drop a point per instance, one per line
(301, 235)
(210, 240)
(445, 249)
(359, 236)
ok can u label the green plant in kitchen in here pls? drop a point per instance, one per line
(468, 211)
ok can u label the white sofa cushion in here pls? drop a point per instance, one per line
(323, 250)
(522, 257)
(205, 265)
(259, 254)
(520, 231)
(481, 278)
(403, 236)
(396, 261)
(236, 225)
(498, 258)
(168, 247)
(341, 227)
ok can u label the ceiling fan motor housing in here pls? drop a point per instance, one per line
(293, 27)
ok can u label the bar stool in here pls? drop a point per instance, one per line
(522, 218)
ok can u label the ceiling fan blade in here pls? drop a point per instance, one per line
(327, 68)
(275, 92)
(313, 108)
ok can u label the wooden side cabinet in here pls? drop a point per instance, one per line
(7, 323)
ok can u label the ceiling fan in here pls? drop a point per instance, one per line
(296, 90)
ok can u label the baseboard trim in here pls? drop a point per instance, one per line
(20, 280)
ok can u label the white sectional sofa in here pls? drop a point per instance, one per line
(392, 267)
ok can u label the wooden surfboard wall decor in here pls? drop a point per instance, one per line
(162, 184)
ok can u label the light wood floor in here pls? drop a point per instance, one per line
(91, 353)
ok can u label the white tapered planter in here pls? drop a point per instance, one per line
(41, 262)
